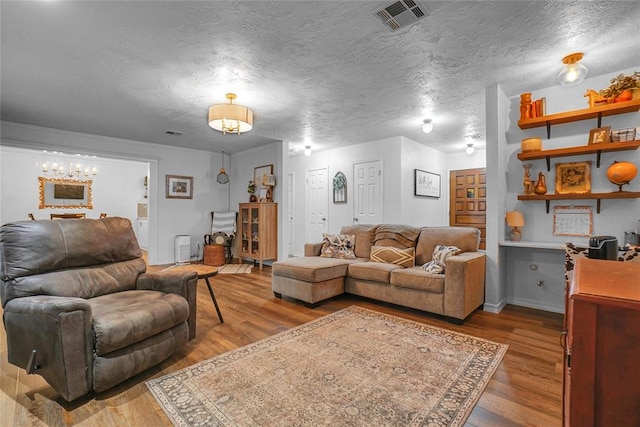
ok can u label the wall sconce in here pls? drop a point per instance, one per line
(573, 72)
(427, 125)
(515, 219)
(307, 150)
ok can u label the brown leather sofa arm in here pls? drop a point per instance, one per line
(464, 283)
(50, 325)
(312, 249)
(181, 283)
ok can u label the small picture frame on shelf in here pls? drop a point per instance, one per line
(573, 178)
(599, 135)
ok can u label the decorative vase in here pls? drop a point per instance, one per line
(525, 106)
(541, 185)
(526, 183)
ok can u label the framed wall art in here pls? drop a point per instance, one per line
(573, 178)
(599, 135)
(64, 193)
(179, 187)
(259, 173)
(573, 221)
(426, 184)
(339, 188)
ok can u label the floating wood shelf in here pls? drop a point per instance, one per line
(574, 151)
(577, 115)
(588, 196)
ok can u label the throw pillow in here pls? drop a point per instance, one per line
(338, 246)
(390, 255)
(439, 258)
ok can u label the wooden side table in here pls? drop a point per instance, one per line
(204, 272)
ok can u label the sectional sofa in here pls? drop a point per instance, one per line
(391, 263)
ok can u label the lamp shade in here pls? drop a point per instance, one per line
(515, 219)
(230, 118)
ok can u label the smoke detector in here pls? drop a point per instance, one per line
(400, 14)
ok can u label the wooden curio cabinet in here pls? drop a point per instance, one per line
(258, 232)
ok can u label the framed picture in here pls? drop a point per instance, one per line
(599, 135)
(179, 187)
(339, 188)
(573, 178)
(263, 194)
(258, 173)
(426, 184)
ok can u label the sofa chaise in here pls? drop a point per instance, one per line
(391, 263)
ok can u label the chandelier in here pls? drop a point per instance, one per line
(73, 172)
(230, 118)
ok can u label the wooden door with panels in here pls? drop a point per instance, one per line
(468, 205)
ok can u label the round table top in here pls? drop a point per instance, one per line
(202, 270)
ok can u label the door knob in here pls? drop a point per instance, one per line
(355, 219)
(324, 219)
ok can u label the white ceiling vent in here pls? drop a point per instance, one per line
(400, 14)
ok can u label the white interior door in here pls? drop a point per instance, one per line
(290, 209)
(367, 207)
(317, 204)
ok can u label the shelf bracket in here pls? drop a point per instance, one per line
(547, 202)
(549, 130)
(599, 120)
(597, 205)
(548, 163)
(598, 153)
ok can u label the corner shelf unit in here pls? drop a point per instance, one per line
(598, 149)
(587, 196)
(579, 115)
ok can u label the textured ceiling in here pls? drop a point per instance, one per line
(324, 73)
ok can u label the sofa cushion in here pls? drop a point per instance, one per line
(465, 238)
(417, 278)
(311, 269)
(397, 236)
(124, 318)
(364, 238)
(338, 246)
(372, 271)
(390, 255)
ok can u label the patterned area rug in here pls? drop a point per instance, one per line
(235, 269)
(353, 367)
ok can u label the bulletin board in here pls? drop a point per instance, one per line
(573, 221)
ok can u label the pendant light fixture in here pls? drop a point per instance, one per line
(230, 118)
(223, 178)
(573, 72)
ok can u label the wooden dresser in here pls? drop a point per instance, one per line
(602, 345)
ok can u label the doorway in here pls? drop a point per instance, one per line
(367, 204)
(317, 202)
(467, 200)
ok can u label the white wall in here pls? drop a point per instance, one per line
(116, 190)
(167, 217)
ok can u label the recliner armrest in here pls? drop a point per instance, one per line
(175, 282)
(59, 330)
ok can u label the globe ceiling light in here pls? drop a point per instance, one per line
(573, 72)
(470, 148)
(230, 118)
(427, 125)
(307, 150)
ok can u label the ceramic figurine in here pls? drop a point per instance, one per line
(527, 183)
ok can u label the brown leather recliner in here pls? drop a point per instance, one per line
(79, 308)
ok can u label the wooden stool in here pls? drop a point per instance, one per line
(214, 255)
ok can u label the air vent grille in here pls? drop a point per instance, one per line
(401, 14)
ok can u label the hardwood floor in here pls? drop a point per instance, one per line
(526, 390)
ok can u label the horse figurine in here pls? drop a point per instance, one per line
(595, 98)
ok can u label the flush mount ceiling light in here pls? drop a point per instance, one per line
(427, 125)
(573, 72)
(470, 148)
(230, 118)
(307, 150)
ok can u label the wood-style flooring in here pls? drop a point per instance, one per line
(526, 390)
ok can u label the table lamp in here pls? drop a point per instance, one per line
(269, 181)
(515, 219)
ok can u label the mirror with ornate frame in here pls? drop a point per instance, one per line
(64, 193)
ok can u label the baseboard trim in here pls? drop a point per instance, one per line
(534, 304)
(494, 308)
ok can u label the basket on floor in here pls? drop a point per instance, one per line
(214, 255)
